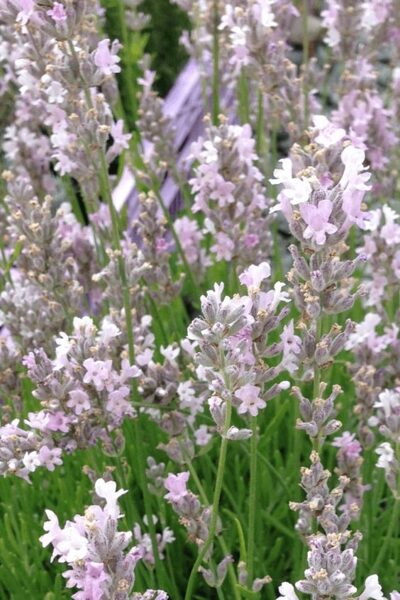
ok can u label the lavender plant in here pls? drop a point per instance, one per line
(179, 348)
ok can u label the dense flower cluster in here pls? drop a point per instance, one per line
(232, 340)
(84, 397)
(227, 190)
(95, 551)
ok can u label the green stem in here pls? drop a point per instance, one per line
(243, 93)
(158, 317)
(81, 78)
(178, 244)
(317, 370)
(317, 380)
(274, 151)
(252, 502)
(215, 77)
(126, 72)
(215, 505)
(224, 547)
(389, 537)
(305, 61)
(6, 265)
(260, 128)
(183, 186)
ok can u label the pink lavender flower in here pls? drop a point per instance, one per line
(57, 13)
(147, 80)
(101, 218)
(93, 582)
(317, 220)
(58, 421)
(94, 549)
(144, 541)
(227, 188)
(118, 402)
(128, 371)
(98, 372)
(79, 401)
(328, 133)
(31, 460)
(27, 9)
(373, 589)
(269, 300)
(176, 486)
(287, 592)
(389, 402)
(54, 90)
(291, 347)
(365, 333)
(354, 184)
(202, 435)
(330, 22)
(262, 11)
(145, 357)
(348, 444)
(390, 231)
(120, 139)
(254, 275)
(52, 527)
(223, 247)
(50, 457)
(71, 546)
(251, 403)
(64, 164)
(190, 237)
(386, 456)
(296, 190)
(108, 491)
(105, 59)
(374, 14)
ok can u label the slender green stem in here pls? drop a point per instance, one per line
(274, 145)
(178, 244)
(317, 370)
(243, 93)
(213, 524)
(196, 479)
(85, 86)
(215, 505)
(389, 536)
(260, 136)
(317, 378)
(126, 72)
(224, 547)
(252, 502)
(306, 51)
(156, 312)
(215, 77)
(6, 264)
(183, 186)
(177, 331)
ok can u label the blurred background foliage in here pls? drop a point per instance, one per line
(160, 39)
(167, 23)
